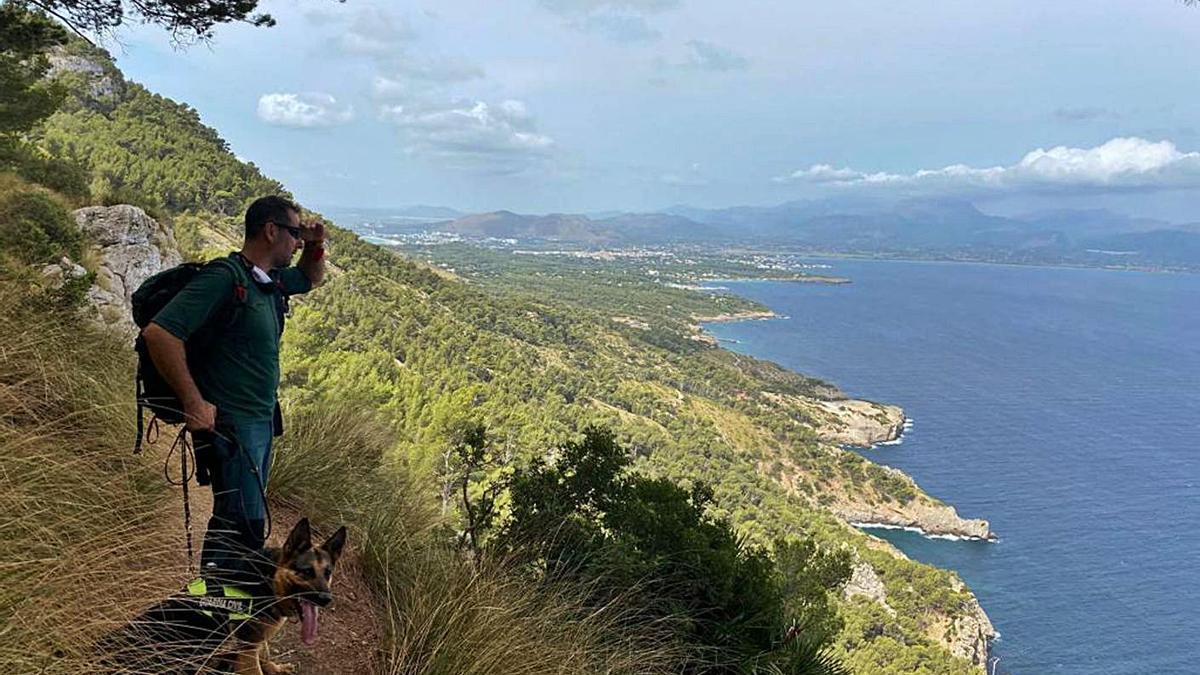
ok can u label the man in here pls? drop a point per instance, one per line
(229, 393)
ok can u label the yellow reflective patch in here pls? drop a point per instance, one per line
(197, 587)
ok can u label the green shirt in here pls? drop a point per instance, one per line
(239, 370)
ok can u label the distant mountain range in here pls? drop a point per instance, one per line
(626, 228)
(928, 228)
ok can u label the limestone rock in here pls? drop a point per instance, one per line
(105, 85)
(972, 632)
(132, 246)
(926, 515)
(861, 423)
(865, 582)
(58, 273)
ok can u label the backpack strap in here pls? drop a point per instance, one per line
(229, 310)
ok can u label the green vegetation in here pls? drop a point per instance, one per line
(384, 366)
(185, 20)
(145, 149)
(580, 516)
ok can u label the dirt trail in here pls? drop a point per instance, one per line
(350, 632)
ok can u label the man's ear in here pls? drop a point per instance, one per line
(333, 545)
(299, 541)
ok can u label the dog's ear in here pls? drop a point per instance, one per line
(333, 545)
(299, 541)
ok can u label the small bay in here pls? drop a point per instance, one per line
(1060, 404)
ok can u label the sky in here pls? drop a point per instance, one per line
(597, 105)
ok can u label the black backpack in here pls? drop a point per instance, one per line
(152, 390)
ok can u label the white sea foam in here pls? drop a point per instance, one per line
(923, 533)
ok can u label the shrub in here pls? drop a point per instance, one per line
(35, 228)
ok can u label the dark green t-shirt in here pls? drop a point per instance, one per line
(239, 372)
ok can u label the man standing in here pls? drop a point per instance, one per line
(229, 392)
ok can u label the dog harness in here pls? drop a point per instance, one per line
(235, 602)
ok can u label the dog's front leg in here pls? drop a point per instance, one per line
(246, 662)
(269, 667)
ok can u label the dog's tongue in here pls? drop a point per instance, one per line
(308, 622)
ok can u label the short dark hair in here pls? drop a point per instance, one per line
(271, 208)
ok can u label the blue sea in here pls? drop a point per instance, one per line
(1063, 405)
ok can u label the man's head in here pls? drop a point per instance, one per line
(273, 225)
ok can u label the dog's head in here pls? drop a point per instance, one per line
(303, 574)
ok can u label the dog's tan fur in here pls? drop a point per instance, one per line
(300, 570)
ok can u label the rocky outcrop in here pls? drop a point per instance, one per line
(921, 514)
(860, 423)
(865, 582)
(59, 273)
(130, 246)
(103, 85)
(971, 632)
(842, 420)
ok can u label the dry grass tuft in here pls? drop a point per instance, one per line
(82, 548)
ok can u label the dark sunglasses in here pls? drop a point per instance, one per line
(294, 231)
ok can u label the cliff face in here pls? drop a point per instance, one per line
(859, 423)
(966, 633)
(130, 246)
(972, 631)
(930, 517)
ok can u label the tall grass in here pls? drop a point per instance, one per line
(86, 541)
(447, 614)
(81, 548)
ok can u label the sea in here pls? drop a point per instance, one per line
(1063, 405)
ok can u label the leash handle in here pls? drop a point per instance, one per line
(185, 476)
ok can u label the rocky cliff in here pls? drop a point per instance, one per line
(966, 633)
(128, 247)
(922, 514)
(852, 422)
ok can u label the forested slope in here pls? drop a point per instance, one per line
(427, 356)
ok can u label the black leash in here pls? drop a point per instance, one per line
(186, 450)
(185, 478)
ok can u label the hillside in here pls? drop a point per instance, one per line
(957, 230)
(621, 229)
(914, 228)
(418, 354)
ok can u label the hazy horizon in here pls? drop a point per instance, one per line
(636, 105)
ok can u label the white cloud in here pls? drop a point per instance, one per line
(587, 6)
(621, 21)
(306, 111)
(406, 76)
(708, 56)
(1119, 164)
(691, 177)
(620, 27)
(474, 135)
(375, 32)
(1085, 114)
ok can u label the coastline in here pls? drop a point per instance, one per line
(731, 317)
(828, 255)
(971, 635)
(921, 531)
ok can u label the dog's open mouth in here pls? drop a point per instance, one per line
(308, 622)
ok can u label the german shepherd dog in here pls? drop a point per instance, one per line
(226, 631)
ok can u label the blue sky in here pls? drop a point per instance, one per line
(579, 105)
